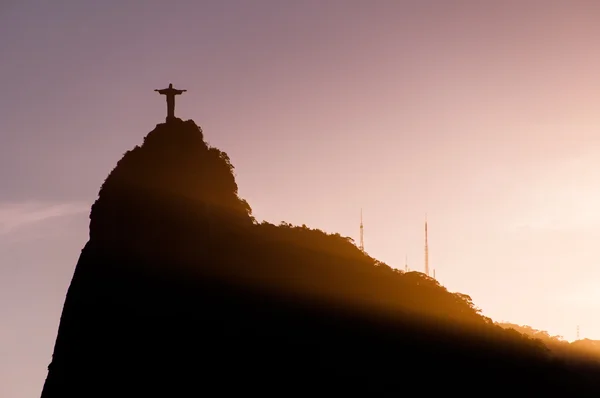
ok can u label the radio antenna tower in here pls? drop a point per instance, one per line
(426, 249)
(406, 263)
(362, 242)
(577, 332)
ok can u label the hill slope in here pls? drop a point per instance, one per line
(180, 291)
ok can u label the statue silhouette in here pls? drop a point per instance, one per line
(170, 93)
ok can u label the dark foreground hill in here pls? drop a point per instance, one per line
(180, 292)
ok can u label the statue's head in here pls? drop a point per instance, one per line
(170, 85)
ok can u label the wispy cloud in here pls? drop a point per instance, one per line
(16, 215)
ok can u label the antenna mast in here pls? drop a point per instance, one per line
(362, 242)
(406, 263)
(426, 250)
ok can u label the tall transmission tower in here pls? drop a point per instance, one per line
(426, 250)
(362, 241)
(577, 332)
(406, 263)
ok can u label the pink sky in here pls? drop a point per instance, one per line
(483, 116)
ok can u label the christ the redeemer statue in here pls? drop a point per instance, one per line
(170, 93)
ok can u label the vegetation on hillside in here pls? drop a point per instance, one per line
(178, 274)
(557, 344)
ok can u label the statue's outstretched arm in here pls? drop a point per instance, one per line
(157, 90)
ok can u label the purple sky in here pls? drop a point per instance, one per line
(483, 116)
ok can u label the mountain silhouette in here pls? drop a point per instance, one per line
(179, 291)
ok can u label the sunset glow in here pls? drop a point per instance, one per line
(485, 117)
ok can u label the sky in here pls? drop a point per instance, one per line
(481, 116)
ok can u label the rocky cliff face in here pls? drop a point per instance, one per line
(175, 294)
(156, 213)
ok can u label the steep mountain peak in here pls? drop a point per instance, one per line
(174, 174)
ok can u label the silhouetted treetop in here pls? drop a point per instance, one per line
(557, 344)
